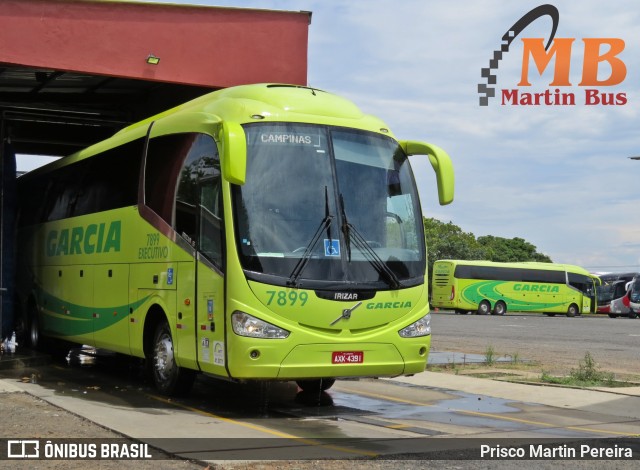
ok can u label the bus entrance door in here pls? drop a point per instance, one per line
(211, 351)
(210, 319)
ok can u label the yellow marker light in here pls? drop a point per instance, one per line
(153, 60)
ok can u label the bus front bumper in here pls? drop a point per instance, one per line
(336, 360)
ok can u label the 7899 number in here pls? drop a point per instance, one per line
(284, 298)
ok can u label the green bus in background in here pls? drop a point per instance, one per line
(267, 232)
(489, 287)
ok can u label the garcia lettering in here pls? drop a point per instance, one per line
(385, 305)
(543, 288)
(88, 240)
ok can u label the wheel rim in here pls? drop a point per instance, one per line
(163, 357)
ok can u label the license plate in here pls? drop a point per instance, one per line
(347, 357)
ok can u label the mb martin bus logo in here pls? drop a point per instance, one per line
(599, 55)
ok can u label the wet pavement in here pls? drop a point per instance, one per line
(27, 358)
(360, 418)
(461, 358)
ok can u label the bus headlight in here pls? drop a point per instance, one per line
(421, 327)
(247, 325)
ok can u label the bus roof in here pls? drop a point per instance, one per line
(522, 265)
(244, 104)
(274, 102)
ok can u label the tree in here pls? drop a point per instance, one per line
(448, 241)
(510, 250)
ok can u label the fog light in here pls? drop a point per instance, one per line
(254, 354)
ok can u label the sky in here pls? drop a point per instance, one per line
(557, 176)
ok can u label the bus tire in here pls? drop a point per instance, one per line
(316, 385)
(632, 314)
(572, 311)
(168, 377)
(500, 308)
(484, 308)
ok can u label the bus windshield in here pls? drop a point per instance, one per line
(326, 205)
(604, 293)
(635, 291)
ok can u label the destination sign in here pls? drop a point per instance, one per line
(288, 138)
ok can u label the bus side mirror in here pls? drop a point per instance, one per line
(234, 152)
(441, 163)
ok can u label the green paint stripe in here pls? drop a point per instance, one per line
(490, 290)
(79, 320)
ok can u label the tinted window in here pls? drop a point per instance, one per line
(183, 186)
(165, 156)
(106, 181)
(495, 273)
(199, 198)
(585, 284)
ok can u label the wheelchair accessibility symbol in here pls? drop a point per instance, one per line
(331, 247)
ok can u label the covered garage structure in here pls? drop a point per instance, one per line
(73, 72)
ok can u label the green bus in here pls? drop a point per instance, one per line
(267, 231)
(489, 287)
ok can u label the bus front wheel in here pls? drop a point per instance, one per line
(168, 377)
(633, 314)
(572, 311)
(500, 308)
(484, 308)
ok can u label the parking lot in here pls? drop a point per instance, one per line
(557, 343)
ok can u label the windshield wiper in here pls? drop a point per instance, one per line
(346, 228)
(325, 224)
(360, 242)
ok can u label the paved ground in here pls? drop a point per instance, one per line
(556, 344)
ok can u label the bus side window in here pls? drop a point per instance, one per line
(211, 226)
(197, 168)
(109, 180)
(165, 157)
(183, 186)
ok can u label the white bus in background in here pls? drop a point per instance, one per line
(634, 297)
(613, 295)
